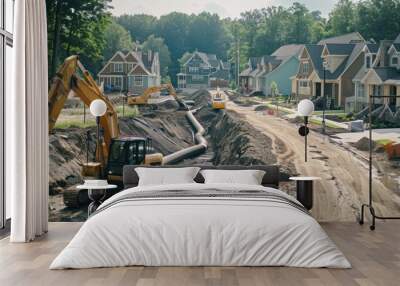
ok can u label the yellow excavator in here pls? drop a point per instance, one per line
(144, 98)
(115, 151)
(218, 99)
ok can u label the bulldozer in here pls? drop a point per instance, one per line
(144, 98)
(114, 150)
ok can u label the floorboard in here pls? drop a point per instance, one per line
(375, 257)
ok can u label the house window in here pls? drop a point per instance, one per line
(303, 83)
(118, 67)
(368, 61)
(376, 90)
(138, 81)
(395, 61)
(193, 69)
(197, 77)
(130, 66)
(306, 67)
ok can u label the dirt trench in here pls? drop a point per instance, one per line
(232, 141)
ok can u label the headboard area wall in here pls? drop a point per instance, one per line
(270, 179)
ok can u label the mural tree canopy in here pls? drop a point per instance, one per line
(76, 27)
(79, 26)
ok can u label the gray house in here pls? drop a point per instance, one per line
(203, 70)
(379, 75)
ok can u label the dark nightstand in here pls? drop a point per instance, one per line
(96, 195)
(304, 190)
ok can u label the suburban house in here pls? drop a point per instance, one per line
(359, 100)
(203, 70)
(247, 80)
(278, 67)
(328, 68)
(132, 71)
(380, 75)
(288, 58)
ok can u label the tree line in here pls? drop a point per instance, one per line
(87, 28)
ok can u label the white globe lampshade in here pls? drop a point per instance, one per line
(305, 107)
(98, 107)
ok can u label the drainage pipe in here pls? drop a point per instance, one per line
(201, 142)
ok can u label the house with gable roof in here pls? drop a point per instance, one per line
(380, 75)
(278, 67)
(131, 71)
(328, 69)
(203, 70)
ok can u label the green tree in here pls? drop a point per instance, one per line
(117, 39)
(342, 19)
(299, 24)
(174, 29)
(140, 26)
(378, 19)
(207, 34)
(157, 45)
(76, 27)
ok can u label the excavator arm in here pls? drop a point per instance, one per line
(73, 77)
(143, 99)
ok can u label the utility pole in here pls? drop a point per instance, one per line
(237, 60)
(324, 99)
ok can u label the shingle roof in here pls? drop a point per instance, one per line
(350, 51)
(340, 49)
(397, 47)
(246, 72)
(387, 73)
(254, 62)
(287, 51)
(221, 74)
(343, 39)
(397, 40)
(373, 48)
(210, 59)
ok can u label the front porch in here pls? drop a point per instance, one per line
(329, 90)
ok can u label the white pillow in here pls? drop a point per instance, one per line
(166, 176)
(243, 177)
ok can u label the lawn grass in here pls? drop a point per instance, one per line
(75, 117)
(327, 123)
(383, 142)
(69, 123)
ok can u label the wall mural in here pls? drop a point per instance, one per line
(186, 89)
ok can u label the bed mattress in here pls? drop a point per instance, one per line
(201, 225)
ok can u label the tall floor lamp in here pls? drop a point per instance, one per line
(305, 109)
(370, 201)
(98, 108)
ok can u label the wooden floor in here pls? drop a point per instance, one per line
(375, 257)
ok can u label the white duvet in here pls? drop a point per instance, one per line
(200, 231)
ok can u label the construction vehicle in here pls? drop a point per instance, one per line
(218, 99)
(392, 150)
(114, 151)
(164, 89)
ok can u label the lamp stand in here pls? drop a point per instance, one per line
(370, 201)
(98, 139)
(305, 137)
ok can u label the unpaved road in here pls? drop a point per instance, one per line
(344, 184)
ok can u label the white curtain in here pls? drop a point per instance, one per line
(27, 124)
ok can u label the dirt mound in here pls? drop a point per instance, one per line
(363, 144)
(67, 152)
(200, 97)
(261, 108)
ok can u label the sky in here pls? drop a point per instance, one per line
(224, 8)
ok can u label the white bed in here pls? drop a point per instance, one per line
(201, 231)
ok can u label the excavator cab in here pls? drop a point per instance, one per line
(126, 151)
